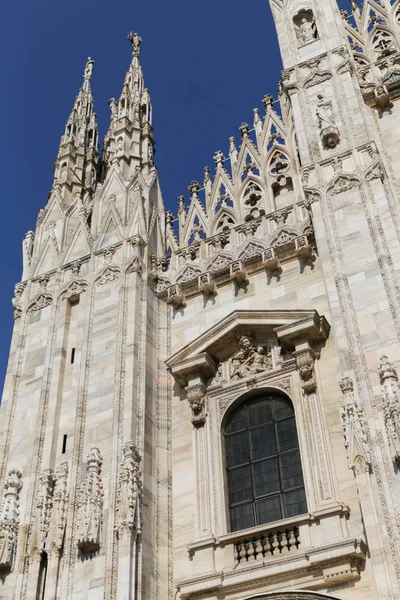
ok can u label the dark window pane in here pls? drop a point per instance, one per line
(269, 509)
(242, 516)
(282, 408)
(237, 449)
(259, 412)
(266, 477)
(292, 475)
(239, 484)
(287, 434)
(238, 421)
(295, 502)
(262, 441)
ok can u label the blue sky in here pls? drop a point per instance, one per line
(207, 65)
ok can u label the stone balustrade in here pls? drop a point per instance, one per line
(269, 544)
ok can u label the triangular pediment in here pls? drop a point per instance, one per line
(220, 342)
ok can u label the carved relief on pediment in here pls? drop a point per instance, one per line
(251, 358)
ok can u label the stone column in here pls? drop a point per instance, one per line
(324, 490)
(355, 432)
(196, 394)
(53, 567)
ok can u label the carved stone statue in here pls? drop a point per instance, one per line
(89, 68)
(326, 122)
(136, 42)
(306, 29)
(90, 504)
(325, 112)
(250, 359)
(9, 520)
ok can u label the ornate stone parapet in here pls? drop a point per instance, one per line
(391, 402)
(9, 520)
(90, 505)
(269, 544)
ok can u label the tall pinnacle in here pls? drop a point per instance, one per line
(129, 141)
(75, 171)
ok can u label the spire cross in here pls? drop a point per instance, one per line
(136, 42)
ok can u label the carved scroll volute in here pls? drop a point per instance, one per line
(354, 430)
(9, 520)
(305, 360)
(196, 395)
(391, 406)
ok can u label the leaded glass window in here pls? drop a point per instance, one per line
(265, 478)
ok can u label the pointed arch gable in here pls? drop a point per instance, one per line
(111, 229)
(195, 211)
(79, 246)
(230, 215)
(221, 179)
(247, 149)
(271, 121)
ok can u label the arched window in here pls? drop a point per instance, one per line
(265, 478)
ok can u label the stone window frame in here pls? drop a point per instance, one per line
(302, 333)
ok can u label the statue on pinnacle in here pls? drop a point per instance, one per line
(136, 42)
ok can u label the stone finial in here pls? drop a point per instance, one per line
(244, 130)
(386, 370)
(194, 189)
(268, 100)
(181, 201)
(136, 42)
(219, 159)
(257, 122)
(346, 385)
(88, 69)
(233, 153)
(169, 218)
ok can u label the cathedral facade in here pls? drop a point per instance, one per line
(207, 407)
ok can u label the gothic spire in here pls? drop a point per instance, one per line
(129, 141)
(75, 171)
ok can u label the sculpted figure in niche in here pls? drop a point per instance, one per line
(250, 360)
(306, 29)
(326, 122)
(325, 112)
